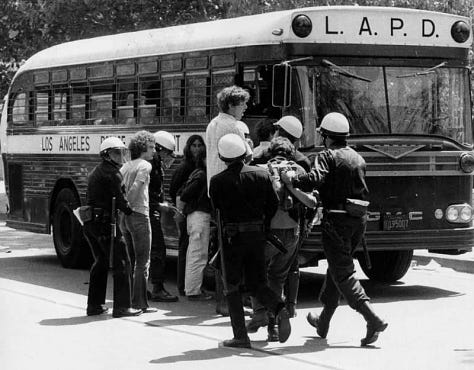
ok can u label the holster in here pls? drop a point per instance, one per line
(356, 207)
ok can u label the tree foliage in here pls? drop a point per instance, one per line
(28, 26)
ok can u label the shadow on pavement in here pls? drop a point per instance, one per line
(45, 270)
(258, 351)
(75, 320)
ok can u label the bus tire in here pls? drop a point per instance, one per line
(69, 242)
(387, 266)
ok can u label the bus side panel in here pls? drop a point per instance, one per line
(32, 180)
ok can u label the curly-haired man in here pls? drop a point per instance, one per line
(136, 227)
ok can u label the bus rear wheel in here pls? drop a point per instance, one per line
(387, 266)
(69, 242)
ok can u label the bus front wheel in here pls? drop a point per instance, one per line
(387, 266)
(69, 242)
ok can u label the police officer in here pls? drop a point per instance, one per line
(245, 217)
(104, 183)
(165, 145)
(339, 174)
(291, 128)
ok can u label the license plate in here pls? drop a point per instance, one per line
(395, 222)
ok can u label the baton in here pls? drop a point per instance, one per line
(220, 241)
(366, 253)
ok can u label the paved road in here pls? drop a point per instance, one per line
(43, 323)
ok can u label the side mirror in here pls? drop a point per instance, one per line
(281, 90)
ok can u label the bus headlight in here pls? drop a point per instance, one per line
(302, 25)
(466, 162)
(460, 31)
(459, 213)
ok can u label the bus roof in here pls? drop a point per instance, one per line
(331, 24)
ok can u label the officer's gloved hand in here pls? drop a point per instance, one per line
(128, 211)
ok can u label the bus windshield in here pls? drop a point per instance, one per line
(397, 100)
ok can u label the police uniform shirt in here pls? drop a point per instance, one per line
(105, 182)
(338, 173)
(244, 194)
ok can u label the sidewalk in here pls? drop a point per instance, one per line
(461, 263)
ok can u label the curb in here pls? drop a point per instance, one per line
(460, 263)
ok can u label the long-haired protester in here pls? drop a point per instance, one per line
(193, 147)
(197, 208)
(136, 227)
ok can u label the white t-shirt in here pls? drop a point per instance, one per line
(137, 170)
(220, 125)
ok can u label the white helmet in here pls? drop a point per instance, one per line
(291, 124)
(243, 128)
(334, 124)
(231, 146)
(112, 143)
(165, 139)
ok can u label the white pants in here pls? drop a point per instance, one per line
(198, 224)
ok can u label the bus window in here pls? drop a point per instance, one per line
(19, 115)
(197, 95)
(220, 79)
(126, 103)
(42, 108)
(149, 103)
(172, 89)
(258, 81)
(101, 101)
(79, 94)
(60, 96)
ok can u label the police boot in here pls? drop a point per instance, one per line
(272, 329)
(259, 319)
(293, 282)
(221, 302)
(284, 327)
(321, 322)
(375, 324)
(237, 320)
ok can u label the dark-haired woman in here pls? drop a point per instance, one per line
(194, 145)
(197, 208)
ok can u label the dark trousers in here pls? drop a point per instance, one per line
(98, 236)
(245, 269)
(158, 248)
(341, 234)
(182, 250)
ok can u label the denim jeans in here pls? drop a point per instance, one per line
(278, 264)
(136, 230)
(198, 224)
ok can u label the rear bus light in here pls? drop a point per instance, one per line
(459, 213)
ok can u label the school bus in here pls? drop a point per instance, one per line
(401, 77)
